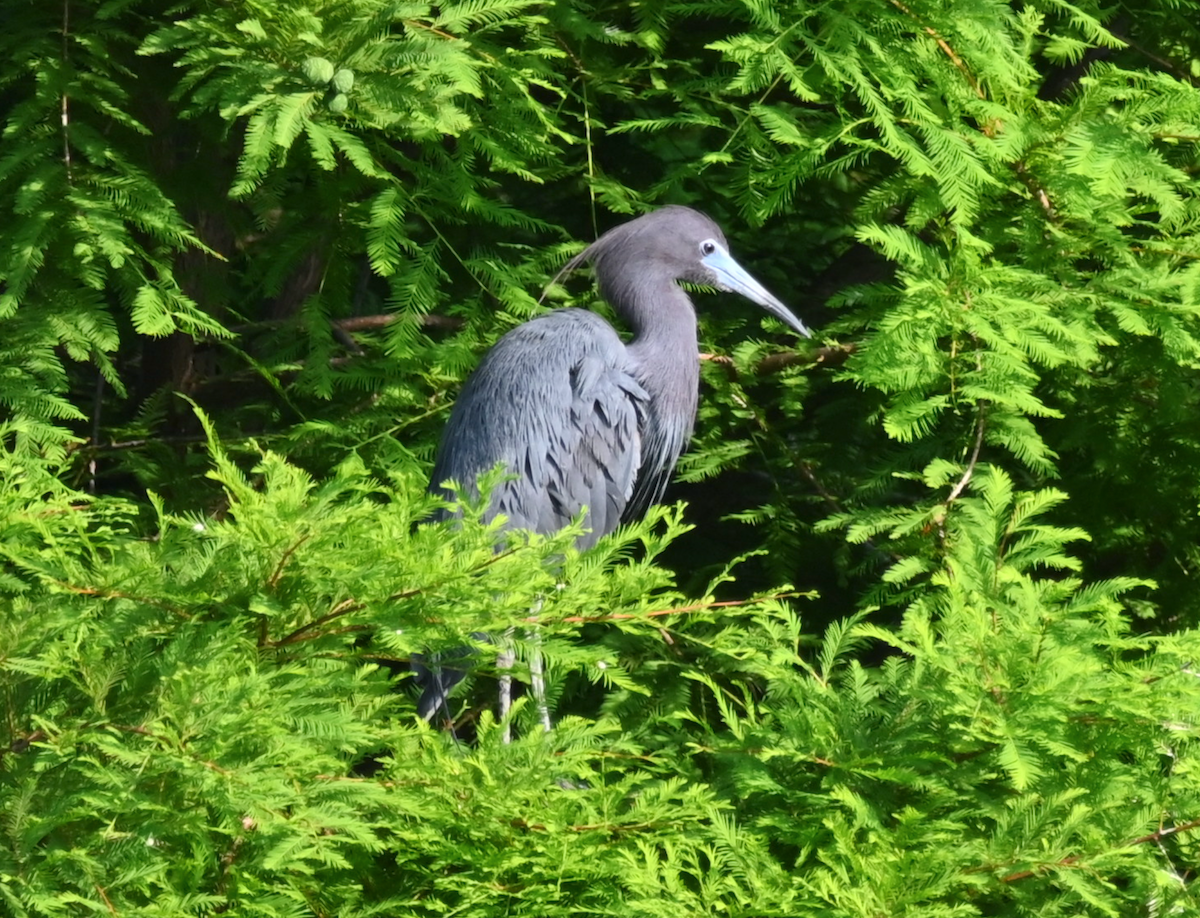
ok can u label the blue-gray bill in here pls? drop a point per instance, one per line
(733, 277)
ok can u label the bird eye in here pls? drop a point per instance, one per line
(707, 247)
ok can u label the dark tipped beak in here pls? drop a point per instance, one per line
(733, 277)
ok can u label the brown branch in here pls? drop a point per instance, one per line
(833, 355)
(1035, 189)
(168, 441)
(1076, 858)
(22, 743)
(417, 24)
(116, 594)
(980, 426)
(826, 495)
(103, 895)
(593, 827)
(562, 43)
(367, 323)
(945, 46)
(158, 737)
(678, 610)
(58, 511)
(349, 605)
(273, 580)
(364, 323)
(345, 607)
(1179, 71)
(1159, 250)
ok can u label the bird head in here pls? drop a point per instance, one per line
(673, 243)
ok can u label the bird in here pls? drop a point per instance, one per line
(583, 421)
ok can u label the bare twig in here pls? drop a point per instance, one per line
(1179, 71)
(108, 902)
(832, 355)
(190, 438)
(426, 27)
(366, 323)
(117, 594)
(1036, 189)
(831, 501)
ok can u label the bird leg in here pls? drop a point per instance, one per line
(537, 670)
(537, 680)
(504, 664)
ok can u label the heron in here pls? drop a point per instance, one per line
(584, 422)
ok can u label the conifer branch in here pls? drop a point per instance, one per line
(273, 580)
(946, 49)
(1076, 858)
(676, 610)
(118, 594)
(345, 607)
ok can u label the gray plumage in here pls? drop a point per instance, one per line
(582, 419)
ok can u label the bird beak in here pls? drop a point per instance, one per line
(733, 277)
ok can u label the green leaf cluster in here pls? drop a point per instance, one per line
(916, 632)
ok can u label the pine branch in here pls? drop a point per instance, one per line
(946, 49)
(1076, 858)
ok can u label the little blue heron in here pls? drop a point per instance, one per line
(582, 419)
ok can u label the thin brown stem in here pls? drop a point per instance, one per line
(677, 610)
(345, 607)
(833, 355)
(107, 902)
(1076, 858)
(273, 580)
(980, 426)
(945, 46)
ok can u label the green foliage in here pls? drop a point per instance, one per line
(309, 219)
(216, 680)
(204, 720)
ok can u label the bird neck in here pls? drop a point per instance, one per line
(664, 348)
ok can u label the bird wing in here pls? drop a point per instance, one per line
(555, 401)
